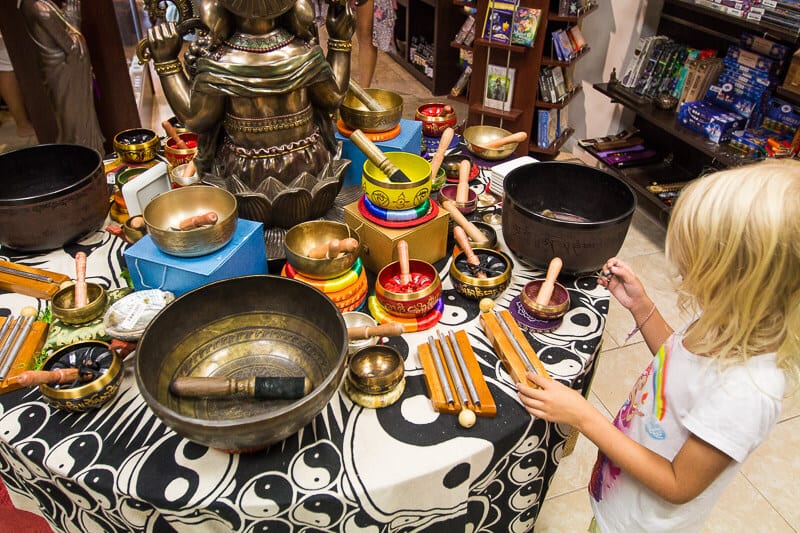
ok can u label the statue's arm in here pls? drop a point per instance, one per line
(341, 24)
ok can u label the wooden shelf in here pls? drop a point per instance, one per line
(553, 148)
(563, 103)
(788, 95)
(572, 18)
(459, 98)
(552, 62)
(460, 45)
(511, 114)
(480, 41)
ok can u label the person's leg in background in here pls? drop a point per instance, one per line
(12, 94)
(367, 52)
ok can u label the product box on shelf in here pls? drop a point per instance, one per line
(150, 268)
(427, 242)
(408, 140)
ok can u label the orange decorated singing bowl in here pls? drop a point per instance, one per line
(410, 300)
(392, 195)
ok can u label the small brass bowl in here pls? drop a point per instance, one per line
(354, 319)
(436, 118)
(63, 304)
(390, 195)
(448, 192)
(476, 136)
(357, 116)
(179, 180)
(471, 286)
(415, 302)
(137, 145)
(452, 164)
(304, 236)
(559, 301)
(131, 233)
(489, 232)
(376, 369)
(167, 210)
(91, 394)
(178, 156)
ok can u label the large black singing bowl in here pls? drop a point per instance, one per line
(575, 212)
(50, 195)
(240, 328)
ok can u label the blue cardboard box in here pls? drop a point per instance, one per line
(150, 268)
(409, 140)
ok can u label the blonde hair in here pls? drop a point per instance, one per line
(734, 237)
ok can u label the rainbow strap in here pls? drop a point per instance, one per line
(397, 215)
(409, 324)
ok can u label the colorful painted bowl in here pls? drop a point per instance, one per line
(391, 195)
(178, 156)
(137, 145)
(414, 301)
(435, 118)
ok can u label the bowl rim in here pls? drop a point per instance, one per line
(114, 372)
(219, 425)
(186, 191)
(148, 144)
(95, 174)
(494, 281)
(386, 184)
(380, 348)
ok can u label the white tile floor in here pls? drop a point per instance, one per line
(763, 496)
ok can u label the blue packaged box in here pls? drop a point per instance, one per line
(150, 268)
(409, 140)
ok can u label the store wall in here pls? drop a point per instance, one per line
(613, 32)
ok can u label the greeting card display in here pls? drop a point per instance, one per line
(499, 87)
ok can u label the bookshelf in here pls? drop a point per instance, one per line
(527, 62)
(687, 154)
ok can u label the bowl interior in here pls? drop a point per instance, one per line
(425, 280)
(435, 112)
(133, 137)
(477, 136)
(43, 172)
(451, 164)
(302, 238)
(168, 209)
(416, 167)
(391, 102)
(376, 368)
(240, 328)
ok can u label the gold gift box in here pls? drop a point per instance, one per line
(426, 242)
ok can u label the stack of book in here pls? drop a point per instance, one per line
(554, 84)
(567, 43)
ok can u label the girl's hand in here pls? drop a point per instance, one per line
(165, 42)
(623, 283)
(554, 401)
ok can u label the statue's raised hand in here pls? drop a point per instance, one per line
(341, 21)
(164, 42)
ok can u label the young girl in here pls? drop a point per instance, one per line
(713, 391)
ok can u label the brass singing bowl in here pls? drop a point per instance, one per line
(355, 319)
(471, 286)
(167, 210)
(137, 145)
(356, 115)
(376, 369)
(303, 237)
(63, 304)
(475, 137)
(413, 303)
(89, 395)
(240, 328)
(556, 308)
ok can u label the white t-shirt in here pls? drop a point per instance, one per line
(679, 393)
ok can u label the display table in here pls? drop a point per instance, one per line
(400, 468)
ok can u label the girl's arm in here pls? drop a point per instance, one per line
(693, 469)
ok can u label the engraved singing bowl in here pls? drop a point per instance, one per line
(178, 156)
(391, 195)
(556, 308)
(413, 303)
(476, 136)
(307, 235)
(240, 328)
(167, 210)
(137, 145)
(376, 369)
(89, 395)
(469, 285)
(63, 304)
(357, 116)
(435, 118)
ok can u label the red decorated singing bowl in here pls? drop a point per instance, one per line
(412, 300)
(178, 156)
(435, 118)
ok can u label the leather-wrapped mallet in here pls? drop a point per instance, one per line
(262, 388)
(378, 158)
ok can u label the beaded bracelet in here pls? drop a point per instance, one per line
(340, 45)
(635, 330)
(168, 67)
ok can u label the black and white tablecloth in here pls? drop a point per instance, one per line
(400, 468)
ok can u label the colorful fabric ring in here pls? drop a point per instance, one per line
(358, 306)
(327, 285)
(397, 215)
(432, 213)
(350, 294)
(409, 324)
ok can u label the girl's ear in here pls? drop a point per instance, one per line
(216, 18)
(300, 20)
